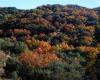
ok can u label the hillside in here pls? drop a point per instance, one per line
(50, 42)
(98, 8)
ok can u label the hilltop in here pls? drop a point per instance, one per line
(50, 42)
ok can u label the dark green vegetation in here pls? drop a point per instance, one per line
(51, 42)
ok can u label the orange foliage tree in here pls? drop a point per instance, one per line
(34, 59)
(91, 55)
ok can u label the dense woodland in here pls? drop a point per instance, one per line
(51, 42)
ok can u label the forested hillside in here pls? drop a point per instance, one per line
(50, 42)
